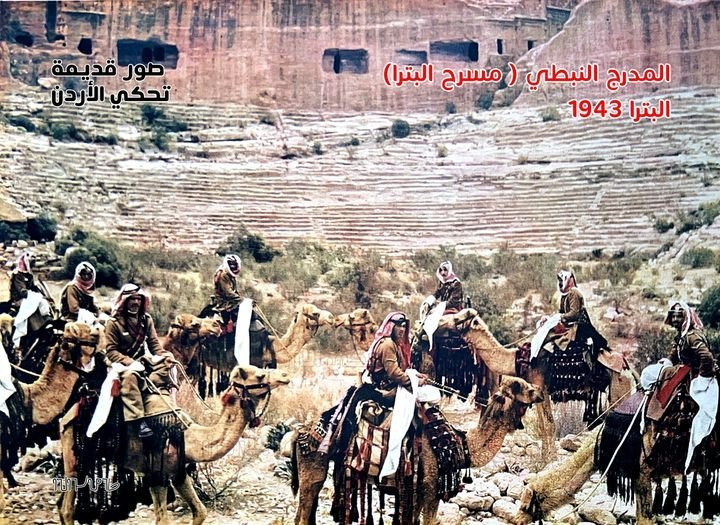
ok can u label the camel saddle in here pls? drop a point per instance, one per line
(670, 380)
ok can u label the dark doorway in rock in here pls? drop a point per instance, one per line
(85, 46)
(354, 61)
(455, 50)
(499, 44)
(531, 44)
(131, 51)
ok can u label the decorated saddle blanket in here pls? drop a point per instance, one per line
(670, 382)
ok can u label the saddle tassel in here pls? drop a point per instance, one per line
(669, 505)
(657, 505)
(694, 504)
(681, 505)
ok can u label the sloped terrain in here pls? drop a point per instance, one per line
(493, 178)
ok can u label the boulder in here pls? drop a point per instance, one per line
(505, 510)
(473, 501)
(515, 488)
(503, 480)
(598, 514)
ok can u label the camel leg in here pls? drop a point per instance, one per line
(643, 497)
(66, 502)
(545, 419)
(312, 471)
(188, 493)
(429, 501)
(159, 496)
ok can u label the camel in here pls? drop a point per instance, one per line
(503, 416)
(361, 325)
(501, 360)
(248, 387)
(46, 398)
(543, 494)
(308, 318)
(186, 333)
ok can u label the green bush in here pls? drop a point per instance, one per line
(485, 100)
(698, 258)
(450, 108)
(150, 114)
(160, 139)
(663, 225)
(400, 129)
(42, 228)
(242, 242)
(68, 131)
(105, 254)
(709, 309)
(317, 148)
(11, 231)
(550, 114)
(653, 344)
(21, 121)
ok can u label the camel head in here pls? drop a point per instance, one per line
(6, 330)
(313, 317)
(79, 343)
(512, 399)
(210, 327)
(249, 383)
(360, 324)
(185, 333)
(460, 321)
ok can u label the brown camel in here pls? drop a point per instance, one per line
(503, 416)
(361, 325)
(185, 334)
(556, 487)
(46, 398)
(501, 360)
(249, 386)
(308, 318)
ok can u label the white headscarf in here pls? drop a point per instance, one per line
(450, 276)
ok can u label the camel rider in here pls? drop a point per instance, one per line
(575, 322)
(130, 333)
(225, 279)
(691, 346)
(22, 280)
(449, 290)
(78, 293)
(389, 355)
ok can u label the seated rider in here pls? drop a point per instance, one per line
(691, 346)
(225, 280)
(22, 280)
(575, 324)
(78, 293)
(130, 335)
(449, 290)
(389, 356)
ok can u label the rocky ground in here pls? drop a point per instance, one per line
(251, 486)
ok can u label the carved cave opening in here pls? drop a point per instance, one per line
(499, 45)
(531, 44)
(131, 51)
(85, 46)
(339, 61)
(456, 50)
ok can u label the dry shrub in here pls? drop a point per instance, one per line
(305, 403)
(568, 418)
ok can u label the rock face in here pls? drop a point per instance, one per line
(631, 35)
(291, 54)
